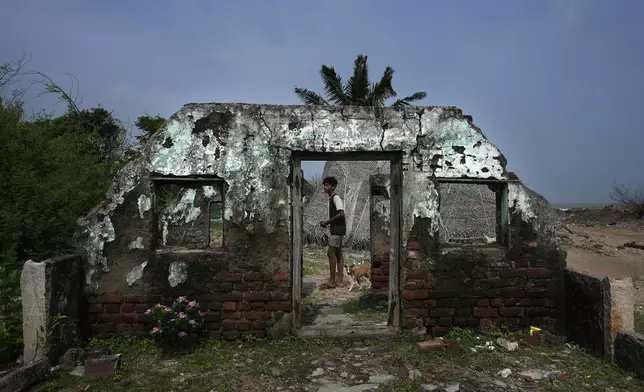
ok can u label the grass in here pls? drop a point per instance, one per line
(289, 362)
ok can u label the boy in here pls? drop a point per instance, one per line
(337, 229)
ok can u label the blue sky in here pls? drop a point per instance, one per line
(557, 85)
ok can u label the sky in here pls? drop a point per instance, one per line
(557, 85)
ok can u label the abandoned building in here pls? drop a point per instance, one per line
(240, 166)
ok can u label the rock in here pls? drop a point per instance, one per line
(506, 344)
(342, 388)
(453, 387)
(103, 366)
(504, 373)
(317, 372)
(432, 345)
(414, 374)
(344, 374)
(381, 378)
(78, 371)
(275, 371)
(534, 374)
(69, 359)
(429, 387)
(500, 383)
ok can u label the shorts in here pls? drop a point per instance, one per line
(335, 241)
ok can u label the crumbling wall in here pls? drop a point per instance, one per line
(132, 261)
(380, 207)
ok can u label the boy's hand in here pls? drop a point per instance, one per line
(324, 223)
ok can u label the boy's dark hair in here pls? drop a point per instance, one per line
(331, 181)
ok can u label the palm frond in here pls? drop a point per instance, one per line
(333, 86)
(414, 97)
(357, 87)
(309, 97)
(383, 90)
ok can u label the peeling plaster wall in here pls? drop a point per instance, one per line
(249, 147)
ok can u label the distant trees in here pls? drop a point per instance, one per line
(358, 90)
(631, 199)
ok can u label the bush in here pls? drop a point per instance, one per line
(632, 200)
(177, 326)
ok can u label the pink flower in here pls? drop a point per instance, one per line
(166, 309)
(182, 334)
(193, 322)
(155, 330)
(182, 298)
(147, 311)
(192, 303)
(182, 315)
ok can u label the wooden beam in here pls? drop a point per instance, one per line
(396, 204)
(297, 228)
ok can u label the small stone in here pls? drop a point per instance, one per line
(413, 374)
(453, 387)
(102, 366)
(344, 374)
(506, 344)
(499, 383)
(504, 373)
(317, 372)
(68, 360)
(381, 378)
(429, 387)
(275, 371)
(534, 374)
(78, 371)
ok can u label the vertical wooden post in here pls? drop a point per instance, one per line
(395, 238)
(296, 232)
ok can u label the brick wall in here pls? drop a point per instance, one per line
(243, 304)
(483, 287)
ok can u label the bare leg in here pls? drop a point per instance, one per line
(340, 260)
(332, 262)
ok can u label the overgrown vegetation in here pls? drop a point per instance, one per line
(53, 170)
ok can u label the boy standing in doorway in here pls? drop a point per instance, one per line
(338, 229)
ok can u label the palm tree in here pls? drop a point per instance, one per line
(357, 91)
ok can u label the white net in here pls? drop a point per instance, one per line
(354, 189)
(468, 213)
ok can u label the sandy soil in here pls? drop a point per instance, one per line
(596, 244)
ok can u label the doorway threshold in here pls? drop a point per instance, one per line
(372, 331)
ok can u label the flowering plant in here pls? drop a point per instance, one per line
(178, 325)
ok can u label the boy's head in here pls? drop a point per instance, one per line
(329, 184)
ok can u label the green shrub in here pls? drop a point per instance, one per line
(177, 326)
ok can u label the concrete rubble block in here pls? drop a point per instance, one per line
(49, 288)
(101, 366)
(25, 376)
(619, 306)
(629, 352)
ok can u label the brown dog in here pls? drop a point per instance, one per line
(357, 273)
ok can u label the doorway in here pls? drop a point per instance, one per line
(323, 311)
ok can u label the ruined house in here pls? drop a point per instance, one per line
(239, 166)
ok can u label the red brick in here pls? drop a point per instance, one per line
(141, 308)
(379, 278)
(253, 277)
(280, 276)
(244, 306)
(285, 306)
(483, 302)
(231, 335)
(257, 296)
(272, 306)
(415, 294)
(410, 285)
(228, 325)
(258, 305)
(485, 312)
(496, 302)
(228, 276)
(109, 299)
(416, 312)
(376, 271)
(233, 296)
(384, 265)
(253, 315)
(243, 325)
(231, 315)
(262, 324)
(443, 312)
(112, 308)
(136, 299)
(128, 308)
(96, 308)
(129, 318)
(431, 303)
(230, 306)
(537, 273)
(512, 273)
(487, 324)
(511, 312)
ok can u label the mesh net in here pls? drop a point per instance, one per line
(353, 187)
(468, 213)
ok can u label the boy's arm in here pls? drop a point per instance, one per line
(339, 206)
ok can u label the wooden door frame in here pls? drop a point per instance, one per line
(395, 226)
